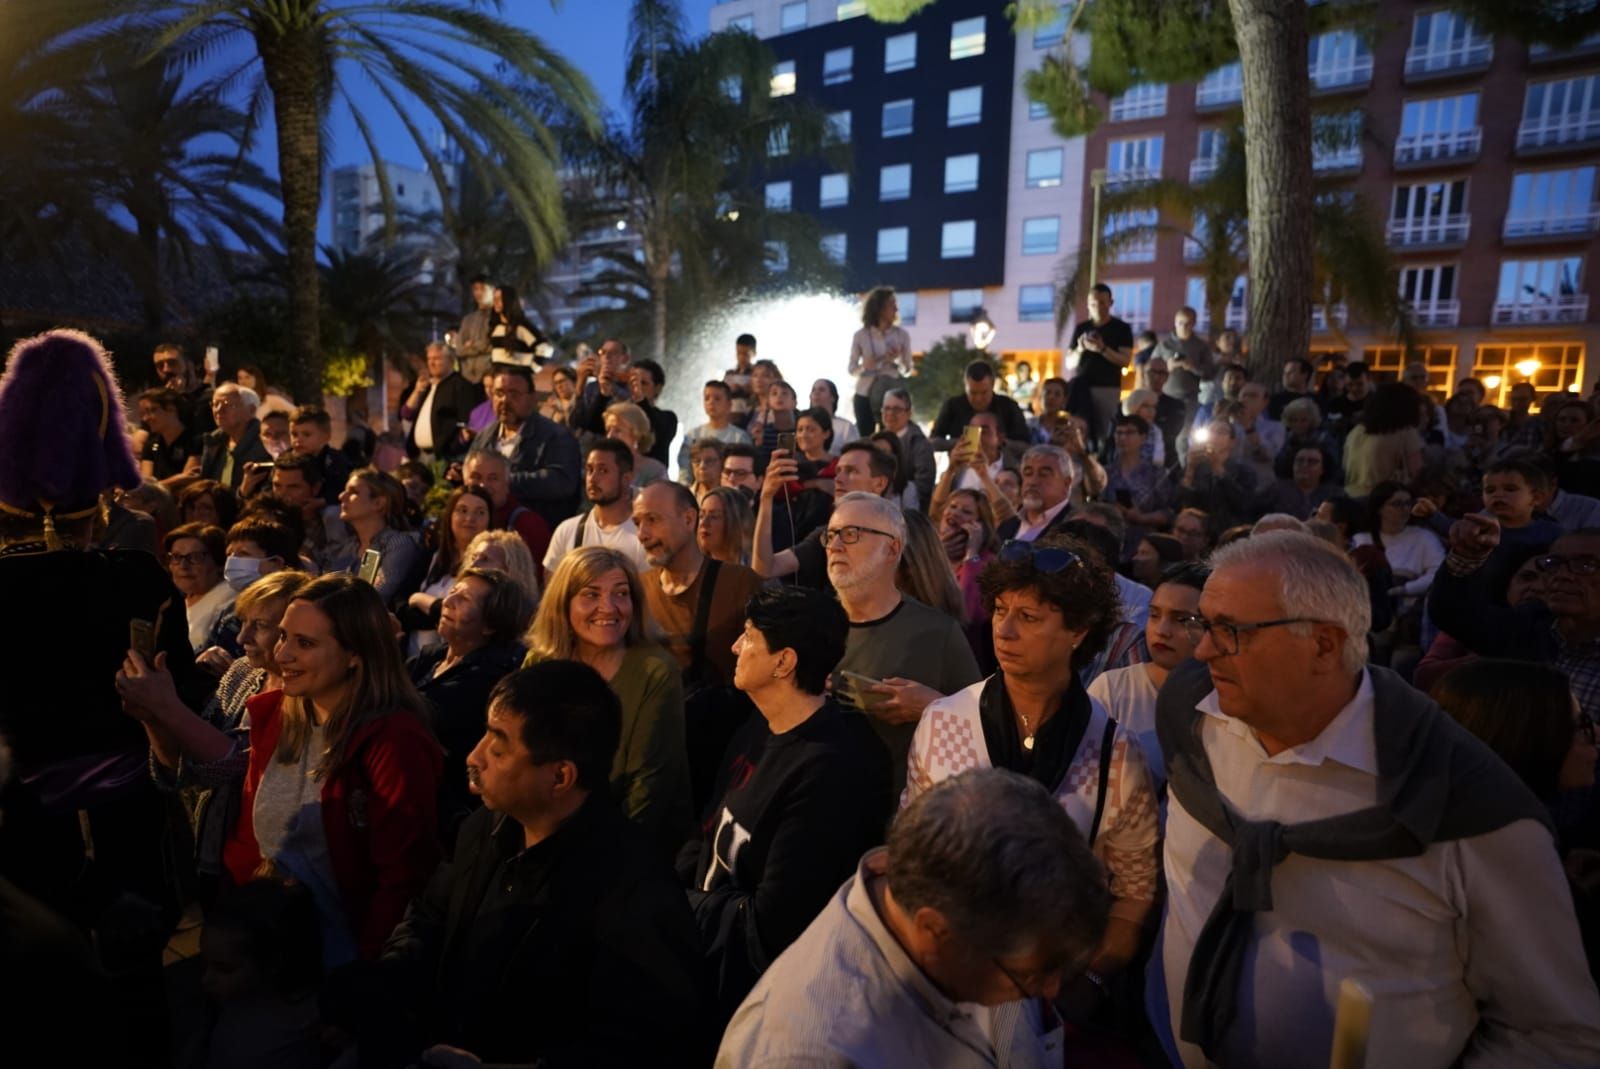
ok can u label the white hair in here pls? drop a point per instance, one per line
(1277, 521)
(1062, 460)
(887, 513)
(1135, 398)
(247, 397)
(1315, 581)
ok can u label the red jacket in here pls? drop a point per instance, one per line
(379, 814)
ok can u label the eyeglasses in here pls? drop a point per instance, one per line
(508, 395)
(850, 534)
(895, 408)
(1047, 560)
(1585, 728)
(1226, 636)
(192, 560)
(1579, 565)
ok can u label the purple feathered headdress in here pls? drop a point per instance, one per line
(62, 439)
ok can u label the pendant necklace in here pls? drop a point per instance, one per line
(1027, 738)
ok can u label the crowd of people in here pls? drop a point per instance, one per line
(1110, 719)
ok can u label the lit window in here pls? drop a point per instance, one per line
(1036, 304)
(897, 118)
(839, 127)
(1132, 302)
(1053, 31)
(834, 247)
(1041, 236)
(783, 79)
(966, 38)
(780, 195)
(961, 173)
(893, 244)
(959, 239)
(1140, 102)
(966, 106)
(778, 141)
(894, 182)
(908, 308)
(835, 190)
(1044, 168)
(964, 304)
(747, 23)
(1037, 110)
(777, 256)
(849, 9)
(900, 52)
(792, 17)
(836, 65)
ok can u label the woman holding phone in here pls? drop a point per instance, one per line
(382, 550)
(1138, 487)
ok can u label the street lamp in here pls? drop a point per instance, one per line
(982, 332)
(1097, 182)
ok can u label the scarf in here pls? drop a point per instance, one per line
(1055, 742)
(1436, 783)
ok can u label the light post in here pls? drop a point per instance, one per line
(1097, 183)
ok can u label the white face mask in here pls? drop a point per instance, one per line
(240, 572)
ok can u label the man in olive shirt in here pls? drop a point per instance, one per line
(916, 654)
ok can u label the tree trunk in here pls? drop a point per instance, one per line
(660, 279)
(150, 283)
(1273, 38)
(294, 73)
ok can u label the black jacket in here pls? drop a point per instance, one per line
(957, 412)
(580, 951)
(250, 450)
(454, 398)
(547, 470)
(1008, 530)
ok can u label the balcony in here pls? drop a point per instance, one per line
(1555, 132)
(1550, 54)
(1344, 73)
(1429, 231)
(1425, 62)
(1201, 169)
(1222, 88)
(1131, 176)
(1435, 313)
(1320, 317)
(1345, 159)
(1445, 146)
(1139, 249)
(1566, 308)
(1552, 227)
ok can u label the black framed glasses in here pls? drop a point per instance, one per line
(1047, 560)
(1225, 637)
(1582, 564)
(850, 534)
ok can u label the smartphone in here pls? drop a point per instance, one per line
(213, 359)
(973, 436)
(857, 682)
(786, 441)
(1200, 435)
(142, 639)
(368, 572)
(1125, 498)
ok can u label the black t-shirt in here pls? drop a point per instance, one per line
(169, 458)
(1093, 368)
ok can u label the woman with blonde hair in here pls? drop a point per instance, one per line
(726, 524)
(341, 792)
(504, 551)
(373, 508)
(628, 424)
(594, 612)
(923, 572)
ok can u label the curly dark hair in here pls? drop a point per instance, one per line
(1085, 593)
(872, 308)
(1392, 407)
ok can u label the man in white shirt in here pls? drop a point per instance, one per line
(936, 952)
(1327, 822)
(608, 484)
(717, 400)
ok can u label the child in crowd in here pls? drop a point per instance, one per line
(1515, 488)
(262, 947)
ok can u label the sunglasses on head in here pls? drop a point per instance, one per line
(1047, 560)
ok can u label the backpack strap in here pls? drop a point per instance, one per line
(583, 521)
(1106, 742)
(702, 620)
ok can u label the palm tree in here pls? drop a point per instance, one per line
(377, 301)
(302, 55)
(701, 125)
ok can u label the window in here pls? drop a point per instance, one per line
(778, 140)
(1041, 236)
(780, 195)
(747, 23)
(834, 190)
(1547, 203)
(836, 65)
(966, 38)
(1445, 41)
(792, 17)
(908, 308)
(1386, 362)
(1051, 32)
(1336, 141)
(1339, 59)
(900, 53)
(777, 256)
(1037, 110)
(959, 239)
(964, 304)
(1131, 237)
(1429, 213)
(1133, 160)
(1208, 148)
(839, 127)
(1556, 367)
(897, 118)
(1221, 87)
(1036, 304)
(834, 247)
(1140, 102)
(1132, 302)
(1439, 128)
(1044, 168)
(966, 106)
(783, 79)
(1541, 291)
(1430, 290)
(893, 242)
(894, 182)
(961, 173)
(849, 9)
(1564, 112)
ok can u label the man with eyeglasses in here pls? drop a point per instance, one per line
(861, 468)
(896, 416)
(901, 654)
(937, 952)
(236, 443)
(1327, 822)
(545, 462)
(1560, 628)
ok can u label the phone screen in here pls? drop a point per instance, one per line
(973, 436)
(786, 441)
(142, 639)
